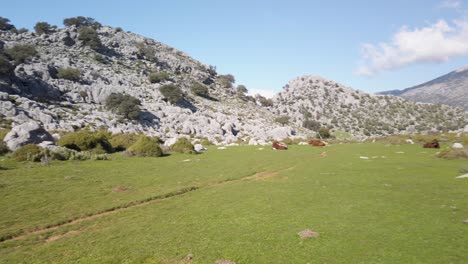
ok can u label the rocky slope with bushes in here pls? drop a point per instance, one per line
(89, 76)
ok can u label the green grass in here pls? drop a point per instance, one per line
(404, 208)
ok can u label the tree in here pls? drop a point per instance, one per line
(311, 124)
(324, 132)
(5, 25)
(90, 37)
(124, 104)
(226, 81)
(71, 74)
(21, 53)
(199, 89)
(172, 93)
(283, 120)
(156, 77)
(81, 21)
(43, 28)
(241, 89)
(263, 101)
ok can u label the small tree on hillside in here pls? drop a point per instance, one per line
(263, 101)
(283, 120)
(71, 74)
(124, 104)
(324, 132)
(6, 68)
(81, 21)
(172, 93)
(44, 28)
(156, 77)
(311, 124)
(226, 81)
(21, 53)
(5, 24)
(90, 37)
(199, 89)
(241, 89)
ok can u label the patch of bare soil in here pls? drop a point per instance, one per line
(57, 237)
(120, 189)
(308, 233)
(224, 261)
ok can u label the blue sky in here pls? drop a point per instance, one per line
(367, 45)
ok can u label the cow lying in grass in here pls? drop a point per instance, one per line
(279, 146)
(317, 143)
(433, 144)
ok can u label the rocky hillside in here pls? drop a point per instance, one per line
(122, 64)
(449, 89)
(312, 101)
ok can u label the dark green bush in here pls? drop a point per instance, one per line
(85, 140)
(283, 120)
(3, 148)
(21, 53)
(156, 77)
(124, 104)
(263, 101)
(81, 21)
(71, 74)
(99, 58)
(6, 68)
(183, 145)
(324, 132)
(226, 81)
(5, 24)
(172, 93)
(21, 30)
(121, 142)
(241, 89)
(44, 28)
(146, 51)
(146, 147)
(199, 89)
(26, 152)
(90, 37)
(453, 153)
(311, 124)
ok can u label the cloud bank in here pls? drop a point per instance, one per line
(435, 43)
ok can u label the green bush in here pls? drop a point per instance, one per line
(283, 120)
(146, 51)
(3, 148)
(121, 142)
(146, 147)
(81, 21)
(183, 145)
(6, 68)
(226, 81)
(71, 74)
(85, 140)
(21, 53)
(156, 77)
(124, 104)
(324, 132)
(43, 28)
(264, 101)
(199, 89)
(241, 89)
(311, 124)
(5, 24)
(26, 152)
(99, 58)
(90, 37)
(172, 93)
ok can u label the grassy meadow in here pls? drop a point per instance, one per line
(400, 205)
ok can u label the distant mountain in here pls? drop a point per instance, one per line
(449, 89)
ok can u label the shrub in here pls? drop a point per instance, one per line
(99, 58)
(43, 28)
(81, 21)
(283, 120)
(227, 80)
(172, 93)
(6, 68)
(90, 37)
(3, 148)
(453, 153)
(121, 142)
(156, 77)
(86, 140)
(71, 74)
(21, 53)
(324, 132)
(241, 89)
(199, 89)
(311, 124)
(146, 147)
(21, 31)
(26, 152)
(263, 101)
(183, 145)
(124, 104)
(145, 51)
(5, 24)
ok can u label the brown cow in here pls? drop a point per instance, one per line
(317, 143)
(279, 146)
(433, 144)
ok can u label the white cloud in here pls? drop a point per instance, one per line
(263, 92)
(455, 4)
(434, 43)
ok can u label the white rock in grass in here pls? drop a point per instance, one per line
(462, 176)
(362, 157)
(457, 146)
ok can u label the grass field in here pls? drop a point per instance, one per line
(402, 205)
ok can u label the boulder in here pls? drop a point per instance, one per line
(28, 133)
(302, 143)
(199, 147)
(253, 142)
(457, 146)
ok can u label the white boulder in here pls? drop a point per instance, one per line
(457, 146)
(199, 147)
(28, 133)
